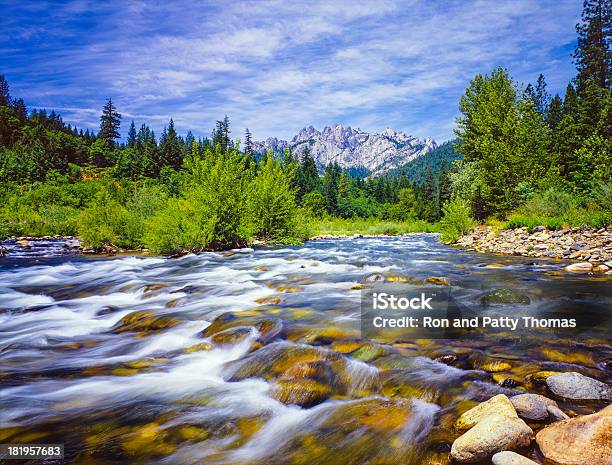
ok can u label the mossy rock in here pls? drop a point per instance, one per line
(302, 392)
(376, 415)
(328, 335)
(369, 352)
(504, 296)
(272, 361)
(268, 328)
(232, 335)
(403, 279)
(144, 321)
(346, 347)
(401, 385)
(149, 439)
(489, 364)
(438, 280)
(203, 346)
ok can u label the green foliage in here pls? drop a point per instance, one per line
(457, 220)
(416, 170)
(271, 202)
(405, 208)
(350, 226)
(505, 135)
(314, 203)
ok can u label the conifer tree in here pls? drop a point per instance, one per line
(5, 96)
(170, 147)
(248, 143)
(308, 176)
(555, 113)
(131, 141)
(592, 54)
(110, 121)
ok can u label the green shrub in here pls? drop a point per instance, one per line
(211, 213)
(271, 203)
(457, 220)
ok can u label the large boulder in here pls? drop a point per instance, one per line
(493, 434)
(576, 386)
(499, 405)
(585, 440)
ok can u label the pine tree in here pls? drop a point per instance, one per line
(592, 54)
(170, 147)
(330, 188)
(542, 98)
(248, 143)
(110, 121)
(5, 96)
(308, 176)
(20, 110)
(131, 141)
(555, 113)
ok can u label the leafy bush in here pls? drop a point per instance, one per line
(271, 203)
(211, 213)
(457, 220)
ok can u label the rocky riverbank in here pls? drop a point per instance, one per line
(589, 246)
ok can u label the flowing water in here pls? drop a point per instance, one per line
(116, 357)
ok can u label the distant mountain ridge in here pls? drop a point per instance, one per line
(353, 148)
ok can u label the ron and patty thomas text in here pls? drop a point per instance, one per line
(384, 301)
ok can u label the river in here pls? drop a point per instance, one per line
(114, 356)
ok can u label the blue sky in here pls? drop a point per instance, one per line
(277, 66)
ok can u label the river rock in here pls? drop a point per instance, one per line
(504, 296)
(497, 405)
(232, 335)
(144, 321)
(493, 434)
(532, 406)
(511, 458)
(582, 267)
(584, 440)
(576, 386)
(302, 392)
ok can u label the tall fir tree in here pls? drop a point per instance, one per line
(308, 176)
(131, 140)
(592, 54)
(110, 121)
(170, 147)
(5, 96)
(555, 113)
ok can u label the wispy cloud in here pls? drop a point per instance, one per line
(275, 66)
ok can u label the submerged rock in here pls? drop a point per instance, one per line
(576, 386)
(495, 433)
(369, 352)
(511, 458)
(585, 440)
(498, 405)
(374, 414)
(583, 267)
(303, 392)
(504, 296)
(144, 321)
(232, 335)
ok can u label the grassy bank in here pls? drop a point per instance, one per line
(369, 226)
